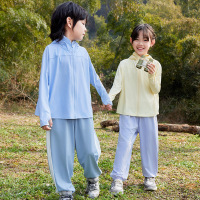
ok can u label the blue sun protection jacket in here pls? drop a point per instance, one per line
(64, 89)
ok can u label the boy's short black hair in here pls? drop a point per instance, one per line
(148, 32)
(58, 19)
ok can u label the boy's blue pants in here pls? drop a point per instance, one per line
(65, 136)
(129, 127)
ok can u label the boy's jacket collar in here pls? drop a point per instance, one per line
(135, 56)
(66, 41)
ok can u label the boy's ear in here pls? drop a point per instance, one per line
(69, 22)
(131, 40)
(153, 42)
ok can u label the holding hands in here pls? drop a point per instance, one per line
(107, 107)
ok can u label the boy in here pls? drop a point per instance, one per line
(64, 103)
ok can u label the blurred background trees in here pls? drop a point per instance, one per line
(24, 30)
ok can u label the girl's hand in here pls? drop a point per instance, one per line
(48, 127)
(151, 68)
(107, 107)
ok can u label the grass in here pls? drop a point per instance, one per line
(24, 172)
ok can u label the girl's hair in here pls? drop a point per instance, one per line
(148, 32)
(58, 19)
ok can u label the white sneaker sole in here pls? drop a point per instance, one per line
(93, 196)
(150, 188)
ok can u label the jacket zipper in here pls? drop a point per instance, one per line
(74, 82)
(138, 92)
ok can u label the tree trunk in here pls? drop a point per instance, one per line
(109, 123)
(185, 128)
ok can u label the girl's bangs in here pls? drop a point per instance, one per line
(146, 33)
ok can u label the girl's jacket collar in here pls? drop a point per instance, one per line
(136, 57)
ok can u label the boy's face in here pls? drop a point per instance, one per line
(79, 30)
(141, 45)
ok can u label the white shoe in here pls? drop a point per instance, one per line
(149, 184)
(117, 187)
(93, 187)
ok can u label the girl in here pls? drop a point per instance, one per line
(138, 107)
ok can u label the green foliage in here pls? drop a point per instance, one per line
(24, 30)
(166, 10)
(189, 51)
(90, 5)
(102, 58)
(189, 8)
(121, 21)
(102, 34)
(180, 111)
(22, 37)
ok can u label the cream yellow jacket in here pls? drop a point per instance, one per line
(138, 89)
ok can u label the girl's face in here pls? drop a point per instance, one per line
(141, 44)
(79, 30)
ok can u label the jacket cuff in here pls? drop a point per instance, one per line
(44, 122)
(151, 75)
(107, 101)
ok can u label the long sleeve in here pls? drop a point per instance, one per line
(65, 80)
(117, 84)
(42, 108)
(155, 79)
(138, 89)
(96, 82)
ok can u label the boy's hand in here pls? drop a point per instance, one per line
(151, 68)
(108, 107)
(48, 127)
